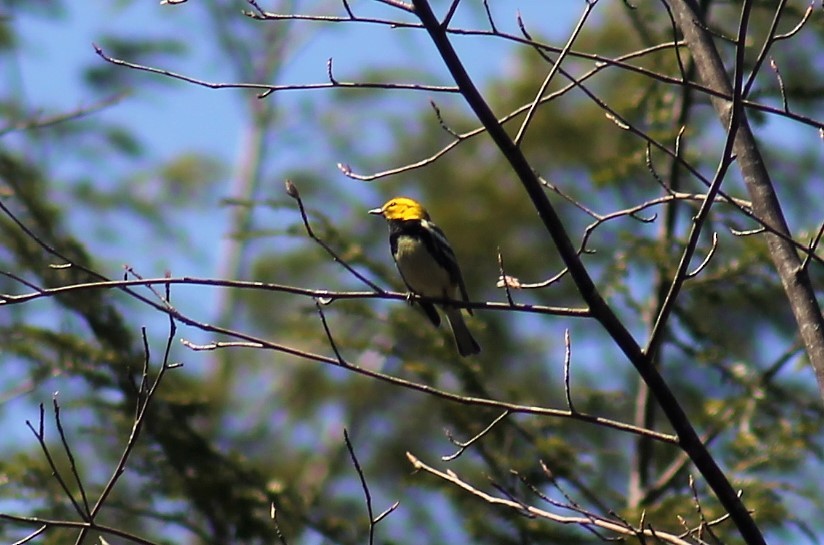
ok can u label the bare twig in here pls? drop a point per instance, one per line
(324, 295)
(504, 280)
(292, 191)
(257, 343)
(366, 494)
(72, 464)
(451, 13)
(813, 246)
(266, 89)
(40, 435)
(530, 113)
(532, 511)
(463, 445)
(781, 88)
(567, 362)
(273, 514)
(489, 16)
(772, 37)
(706, 260)
(145, 395)
(328, 332)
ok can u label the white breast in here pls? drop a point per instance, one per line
(420, 271)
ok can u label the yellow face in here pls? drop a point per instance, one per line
(402, 208)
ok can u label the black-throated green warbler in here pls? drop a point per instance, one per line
(427, 265)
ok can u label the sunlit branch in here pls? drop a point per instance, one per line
(571, 504)
(273, 514)
(706, 261)
(463, 445)
(588, 520)
(567, 365)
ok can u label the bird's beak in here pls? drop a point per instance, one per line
(376, 211)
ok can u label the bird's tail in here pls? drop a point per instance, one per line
(467, 345)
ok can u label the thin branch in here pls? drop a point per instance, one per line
(504, 280)
(532, 511)
(366, 494)
(250, 341)
(40, 435)
(463, 445)
(781, 88)
(601, 310)
(450, 14)
(57, 119)
(813, 246)
(489, 17)
(328, 332)
(797, 284)
(530, 113)
(703, 522)
(725, 161)
(273, 514)
(292, 191)
(89, 526)
(515, 283)
(324, 295)
(707, 259)
(141, 410)
(567, 363)
(266, 89)
(772, 37)
(32, 535)
(68, 450)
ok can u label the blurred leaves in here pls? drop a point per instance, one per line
(237, 431)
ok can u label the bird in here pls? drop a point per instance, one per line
(427, 265)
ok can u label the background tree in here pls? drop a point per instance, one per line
(563, 434)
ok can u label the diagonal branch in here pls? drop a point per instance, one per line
(601, 311)
(794, 277)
